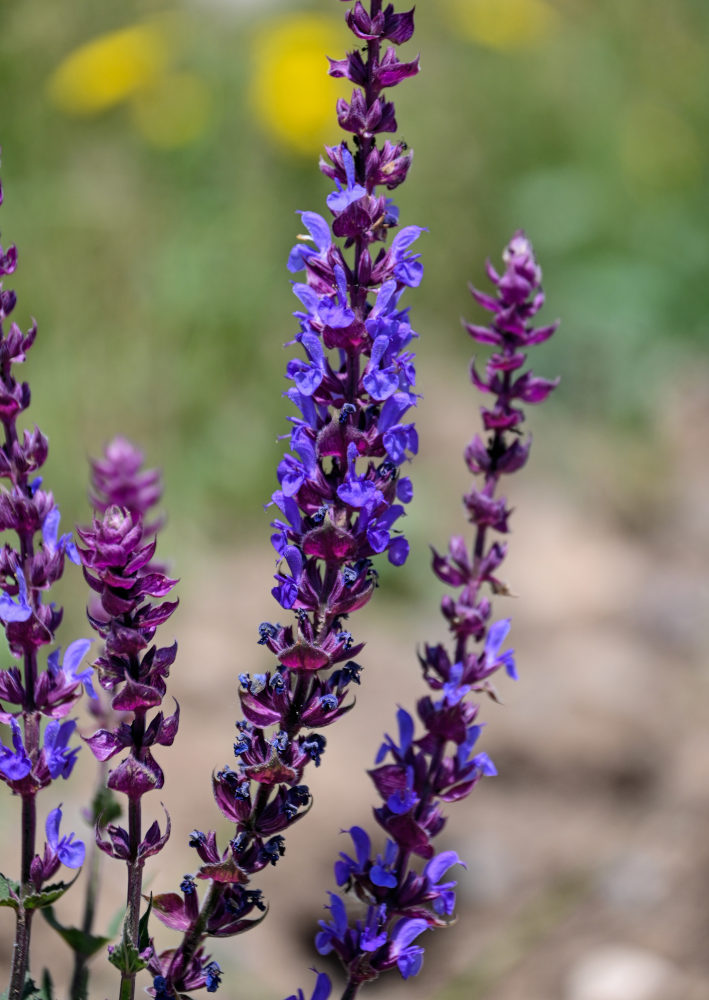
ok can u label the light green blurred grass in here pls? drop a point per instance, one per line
(158, 278)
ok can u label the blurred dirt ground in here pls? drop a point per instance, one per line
(588, 856)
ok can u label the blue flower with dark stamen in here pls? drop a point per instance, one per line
(213, 975)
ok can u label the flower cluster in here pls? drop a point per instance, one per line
(415, 776)
(29, 566)
(339, 499)
(118, 479)
(130, 667)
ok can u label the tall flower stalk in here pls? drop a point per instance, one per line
(118, 479)
(415, 775)
(116, 553)
(30, 565)
(339, 500)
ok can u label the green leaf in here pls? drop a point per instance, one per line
(78, 940)
(105, 807)
(48, 895)
(33, 992)
(9, 893)
(126, 957)
(47, 986)
(143, 936)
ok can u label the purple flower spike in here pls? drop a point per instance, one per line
(416, 776)
(69, 851)
(340, 496)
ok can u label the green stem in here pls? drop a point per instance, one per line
(80, 975)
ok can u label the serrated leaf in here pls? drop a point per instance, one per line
(9, 893)
(126, 957)
(78, 940)
(48, 895)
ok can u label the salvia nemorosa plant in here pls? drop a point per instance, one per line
(116, 555)
(31, 561)
(339, 499)
(404, 888)
(339, 503)
(119, 483)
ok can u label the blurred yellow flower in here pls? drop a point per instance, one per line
(291, 93)
(173, 112)
(133, 66)
(109, 69)
(504, 24)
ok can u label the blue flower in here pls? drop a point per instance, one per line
(400, 439)
(371, 938)
(381, 873)
(320, 234)
(75, 652)
(403, 800)
(407, 268)
(341, 199)
(495, 637)
(60, 759)
(308, 377)
(287, 590)
(69, 851)
(50, 530)
(19, 610)
(334, 931)
(378, 530)
(347, 866)
(358, 491)
(15, 765)
(213, 975)
(406, 735)
(483, 764)
(408, 957)
(453, 690)
(380, 382)
(444, 901)
(323, 986)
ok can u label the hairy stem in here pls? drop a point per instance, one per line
(135, 885)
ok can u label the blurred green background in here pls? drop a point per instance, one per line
(151, 191)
